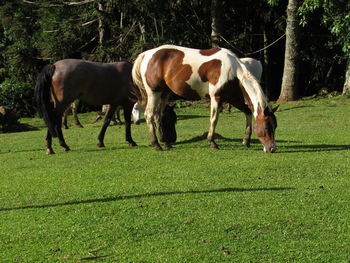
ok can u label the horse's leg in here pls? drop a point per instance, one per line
(75, 113)
(49, 149)
(150, 112)
(248, 121)
(65, 117)
(109, 114)
(248, 129)
(127, 117)
(164, 102)
(158, 117)
(117, 116)
(60, 134)
(214, 115)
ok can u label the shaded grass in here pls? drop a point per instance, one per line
(190, 204)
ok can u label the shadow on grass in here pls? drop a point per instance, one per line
(295, 107)
(19, 127)
(313, 148)
(220, 137)
(126, 197)
(283, 149)
(187, 117)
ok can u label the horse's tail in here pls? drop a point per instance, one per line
(140, 90)
(43, 98)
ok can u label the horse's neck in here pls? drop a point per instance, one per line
(254, 91)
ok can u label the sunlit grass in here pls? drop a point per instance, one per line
(189, 204)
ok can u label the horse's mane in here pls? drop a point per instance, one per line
(250, 84)
(262, 100)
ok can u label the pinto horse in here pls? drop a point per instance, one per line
(59, 84)
(195, 74)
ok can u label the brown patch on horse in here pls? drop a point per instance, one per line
(209, 52)
(166, 68)
(210, 71)
(57, 87)
(233, 92)
(246, 97)
(261, 128)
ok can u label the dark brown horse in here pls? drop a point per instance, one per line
(59, 84)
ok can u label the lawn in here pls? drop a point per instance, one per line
(189, 204)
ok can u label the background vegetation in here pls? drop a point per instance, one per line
(34, 33)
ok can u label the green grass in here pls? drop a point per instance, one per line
(189, 204)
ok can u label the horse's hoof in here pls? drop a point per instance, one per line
(132, 144)
(214, 146)
(159, 148)
(168, 146)
(66, 149)
(49, 151)
(100, 145)
(96, 119)
(80, 126)
(246, 143)
(66, 127)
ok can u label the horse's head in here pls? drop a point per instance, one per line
(264, 127)
(167, 125)
(136, 113)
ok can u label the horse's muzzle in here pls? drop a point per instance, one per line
(270, 148)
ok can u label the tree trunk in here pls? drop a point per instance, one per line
(289, 91)
(266, 66)
(346, 88)
(143, 32)
(216, 22)
(101, 26)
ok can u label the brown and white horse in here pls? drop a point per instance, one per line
(195, 74)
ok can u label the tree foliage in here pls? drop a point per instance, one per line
(34, 33)
(335, 15)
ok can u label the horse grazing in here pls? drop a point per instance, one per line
(195, 74)
(59, 84)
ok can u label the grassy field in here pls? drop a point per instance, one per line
(189, 204)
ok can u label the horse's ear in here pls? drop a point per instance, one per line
(275, 108)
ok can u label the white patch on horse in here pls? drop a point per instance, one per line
(254, 66)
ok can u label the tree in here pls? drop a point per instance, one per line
(346, 88)
(289, 89)
(216, 22)
(336, 16)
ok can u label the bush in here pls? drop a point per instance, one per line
(18, 96)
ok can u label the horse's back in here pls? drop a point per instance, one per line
(93, 82)
(88, 71)
(189, 72)
(254, 66)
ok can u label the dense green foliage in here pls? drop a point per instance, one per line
(189, 204)
(34, 33)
